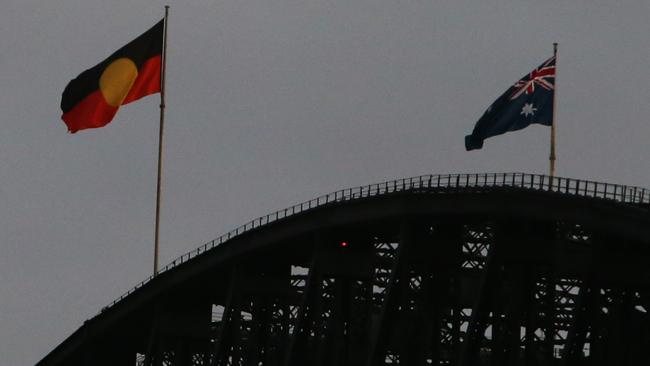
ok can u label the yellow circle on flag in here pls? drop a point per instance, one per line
(117, 79)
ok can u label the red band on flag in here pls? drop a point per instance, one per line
(91, 112)
(147, 82)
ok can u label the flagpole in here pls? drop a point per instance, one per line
(551, 157)
(160, 142)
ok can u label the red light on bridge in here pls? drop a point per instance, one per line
(343, 244)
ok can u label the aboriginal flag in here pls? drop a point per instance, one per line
(130, 73)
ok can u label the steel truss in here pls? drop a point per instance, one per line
(422, 291)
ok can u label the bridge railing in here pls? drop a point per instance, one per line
(447, 183)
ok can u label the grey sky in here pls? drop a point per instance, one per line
(272, 102)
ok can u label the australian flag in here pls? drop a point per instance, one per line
(529, 100)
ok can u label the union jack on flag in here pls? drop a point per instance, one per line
(540, 76)
(527, 101)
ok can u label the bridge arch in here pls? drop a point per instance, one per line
(464, 269)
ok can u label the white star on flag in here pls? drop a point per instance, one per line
(528, 109)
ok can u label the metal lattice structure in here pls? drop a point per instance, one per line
(481, 269)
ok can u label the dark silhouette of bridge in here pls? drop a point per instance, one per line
(466, 269)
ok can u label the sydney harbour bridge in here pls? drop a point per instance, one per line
(462, 269)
